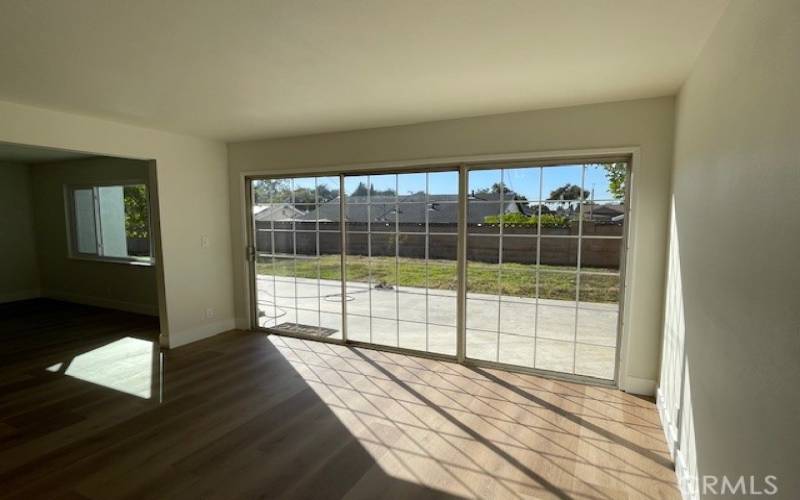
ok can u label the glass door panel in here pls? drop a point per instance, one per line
(401, 274)
(544, 252)
(297, 247)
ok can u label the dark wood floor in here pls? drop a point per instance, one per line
(91, 409)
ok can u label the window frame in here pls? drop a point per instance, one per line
(71, 223)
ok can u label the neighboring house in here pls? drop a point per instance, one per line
(609, 212)
(276, 212)
(413, 209)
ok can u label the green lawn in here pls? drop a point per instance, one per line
(518, 280)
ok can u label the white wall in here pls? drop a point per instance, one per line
(105, 284)
(18, 266)
(731, 362)
(646, 123)
(193, 193)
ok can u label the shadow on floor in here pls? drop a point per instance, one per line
(92, 408)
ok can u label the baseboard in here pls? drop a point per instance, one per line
(640, 386)
(121, 305)
(671, 435)
(177, 339)
(242, 323)
(682, 471)
(20, 295)
(670, 430)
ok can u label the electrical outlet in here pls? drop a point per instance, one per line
(204, 241)
(209, 313)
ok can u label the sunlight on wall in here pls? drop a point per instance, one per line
(125, 365)
(674, 393)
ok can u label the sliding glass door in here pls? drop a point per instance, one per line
(297, 255)
(373, 259)
(544, 250)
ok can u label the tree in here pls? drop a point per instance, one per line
(279, 191)
(616, 174)
(136, 211)
(361, 190)
(307, 195)
(272, 191)
(326, 194)
(497, 187)
(304, 195)
(568, 192)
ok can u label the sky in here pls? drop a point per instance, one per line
(535, 183)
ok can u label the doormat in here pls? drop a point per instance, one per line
(300, 329)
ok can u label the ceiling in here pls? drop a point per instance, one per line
(18, 153)
(237, 69)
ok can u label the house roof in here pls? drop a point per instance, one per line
(278, 212)
(610, 209)
(412, 209)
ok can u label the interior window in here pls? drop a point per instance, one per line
(111, 222)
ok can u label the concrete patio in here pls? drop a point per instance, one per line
(513, 330)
